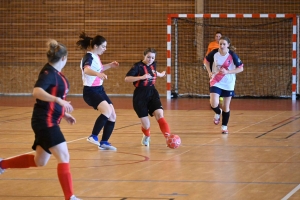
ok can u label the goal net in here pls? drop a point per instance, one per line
(264, 43)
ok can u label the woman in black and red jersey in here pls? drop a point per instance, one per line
(50, 91)
(146, 99)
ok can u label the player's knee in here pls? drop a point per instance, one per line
(158, 114)
(113, 117)
(107, 111)
(41, 163)
(214, 104)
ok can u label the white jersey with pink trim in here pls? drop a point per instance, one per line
(93, 62)
(229, 61)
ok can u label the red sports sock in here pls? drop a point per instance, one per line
(65, 179)
(146, 131)
(23, 161)
(164, 126)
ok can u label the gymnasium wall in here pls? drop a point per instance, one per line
(129, 26)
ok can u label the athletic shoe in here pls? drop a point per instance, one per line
(93, 139)
(146, 140)
(224, 129)
(73, 197)
(217, 118)
(1, 170)
(166, 135)
(104, 145)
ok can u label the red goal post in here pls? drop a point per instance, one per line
(254, 15)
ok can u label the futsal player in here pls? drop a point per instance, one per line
(226, 64)
(146, 100)
(93, 91)
(50, 91)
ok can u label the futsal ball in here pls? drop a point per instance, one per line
(173, 141)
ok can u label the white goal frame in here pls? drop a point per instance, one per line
(295, 27)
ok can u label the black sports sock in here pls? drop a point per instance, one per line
(107, 131)
(225, 118)
(217, 110)
(99, 123)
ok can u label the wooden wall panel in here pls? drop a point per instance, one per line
(129, 26)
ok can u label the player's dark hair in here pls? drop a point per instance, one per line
(87, 41)
(149, 50)
(218, 32)
(55, 51)
(232, 48)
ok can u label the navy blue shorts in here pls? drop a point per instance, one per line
(221, 92)
(145, 101)
(93, 96)
(47, 137)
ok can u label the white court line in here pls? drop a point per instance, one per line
(149, 166)
(34, 151)
(136, 171)
(291, 193)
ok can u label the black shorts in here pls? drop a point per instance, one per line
(221, 92)
(93, 96)
(47, 137)
(145, 101)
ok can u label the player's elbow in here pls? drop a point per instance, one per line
(126, 79)
(241, 69)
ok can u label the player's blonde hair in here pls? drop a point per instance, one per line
(55, 51)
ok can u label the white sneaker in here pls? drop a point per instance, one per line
(73, 197)
(145, 140)
(93, 139)
(1, 170)
(224, 129)
(217, 118)
(104, 145)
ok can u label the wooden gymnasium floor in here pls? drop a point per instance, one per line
(258, 160)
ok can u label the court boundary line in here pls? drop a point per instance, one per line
(258, 122)
(276, 128)
(291, 193)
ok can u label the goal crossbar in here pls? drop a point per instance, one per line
(294, 27)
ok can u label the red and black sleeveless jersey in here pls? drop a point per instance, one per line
(53, 82)
(140, 69)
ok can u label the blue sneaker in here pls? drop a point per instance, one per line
(93, 139)
(1, 170)
(104, 145)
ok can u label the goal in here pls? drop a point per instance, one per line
(266, 44)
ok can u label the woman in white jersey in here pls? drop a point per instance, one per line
(93, 92)
(226, 64)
